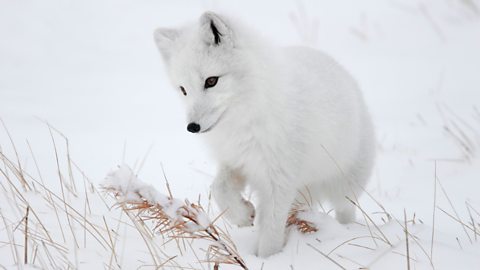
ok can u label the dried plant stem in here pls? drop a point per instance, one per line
(406, 238)
(302, 225)
(327, 257)
(384, 237)
(235, 257)
(26, 237)
(457, 219)
(222, 251)
(464, 226)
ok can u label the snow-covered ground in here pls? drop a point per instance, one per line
(91, 70)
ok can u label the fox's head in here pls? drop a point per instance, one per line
(204, 65)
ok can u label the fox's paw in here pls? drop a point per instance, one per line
(268, 246)
(345, 214)
(241, 214)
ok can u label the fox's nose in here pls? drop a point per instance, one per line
(193, 127)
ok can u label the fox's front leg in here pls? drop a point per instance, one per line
(227, 191)
(274, 205)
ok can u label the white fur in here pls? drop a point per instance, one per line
(284, 121)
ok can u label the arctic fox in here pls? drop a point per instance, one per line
(286, 122)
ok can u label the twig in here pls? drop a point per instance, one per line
(406, 238)
(326, 256)
(25, 261)
(454, 211)
(348, 241)
(472, 221)
(465, 226)
(369, 218)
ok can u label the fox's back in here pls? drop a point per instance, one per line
(330, 107)
(319, 75)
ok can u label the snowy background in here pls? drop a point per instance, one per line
(91, 70)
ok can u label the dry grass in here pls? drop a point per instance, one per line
(54, 243)
(460, 130)
(187, 224)
(303, 226)
(47, 226)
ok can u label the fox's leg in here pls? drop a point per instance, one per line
(227, 191)
(274, 205)
(350, 186)
(344, 212)
(338, 192)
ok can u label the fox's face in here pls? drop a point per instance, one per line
(202, 63)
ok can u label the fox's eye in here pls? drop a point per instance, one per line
(183, 90)
(211, 82)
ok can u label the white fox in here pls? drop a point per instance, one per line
(284, 121)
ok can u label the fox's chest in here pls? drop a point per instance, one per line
(254, 153)
(235, 149)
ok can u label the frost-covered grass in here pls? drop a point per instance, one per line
(173, 218)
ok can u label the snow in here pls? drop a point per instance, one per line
(124, 181)
(91, 70)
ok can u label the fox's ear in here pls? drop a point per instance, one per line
(164, 38)
(214, 29)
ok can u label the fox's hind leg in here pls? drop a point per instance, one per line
(344, 212)
(336, 194)
(352, 181)
(347, 189)
(227, 191)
